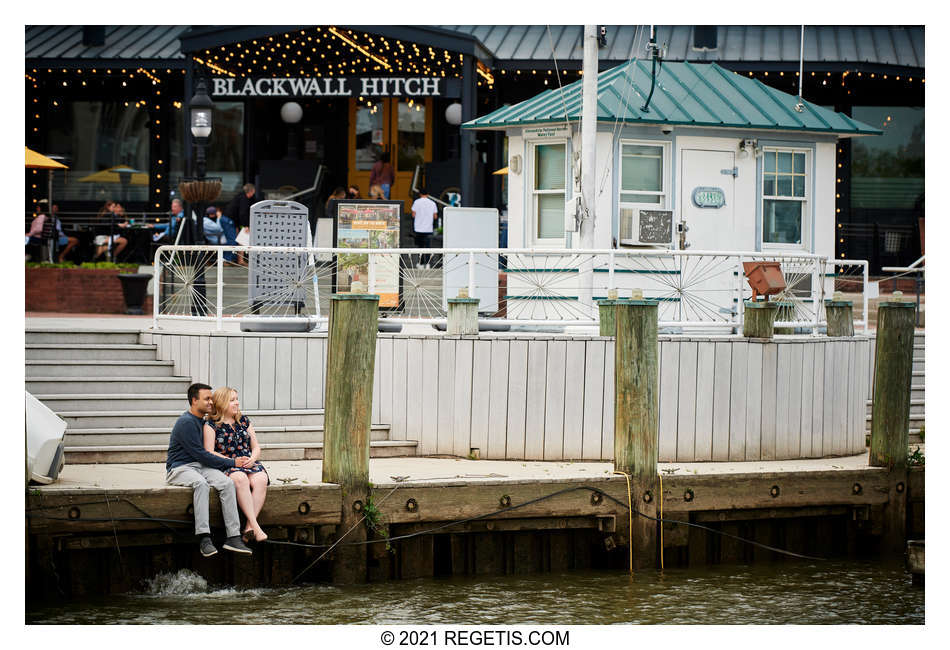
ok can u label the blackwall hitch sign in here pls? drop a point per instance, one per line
(336, 87)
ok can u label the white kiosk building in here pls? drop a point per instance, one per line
(714, 162)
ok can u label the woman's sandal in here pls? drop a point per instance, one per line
(247, 536)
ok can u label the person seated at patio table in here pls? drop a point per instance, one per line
(34, 236)
(230, 434)
(214, 233)
(376, 192)
(353, 192)
(115, 214)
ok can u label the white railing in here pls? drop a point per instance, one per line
(694, 289)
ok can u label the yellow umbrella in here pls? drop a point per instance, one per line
(501, 172)
(39, 161)
(115, 175)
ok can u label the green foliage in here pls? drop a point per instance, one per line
(915, 458)
(84, 265)
(371, 519)
(922, 439)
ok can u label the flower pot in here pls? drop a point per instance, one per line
(134, 286)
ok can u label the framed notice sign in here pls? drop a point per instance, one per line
(367, 224)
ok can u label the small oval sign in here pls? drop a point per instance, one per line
(709, 197)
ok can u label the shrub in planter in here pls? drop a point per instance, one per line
(92, 288)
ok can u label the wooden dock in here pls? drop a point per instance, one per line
(106, 527)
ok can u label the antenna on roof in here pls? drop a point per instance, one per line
(656, 56)
(800, 106)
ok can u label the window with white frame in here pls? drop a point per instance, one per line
(784, 196)
(644, 183)
(550, 164)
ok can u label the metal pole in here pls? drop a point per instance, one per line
(471, 275)
(589, 137)
(220, 297)
(156, 288)
(864, 328)
(739, 304)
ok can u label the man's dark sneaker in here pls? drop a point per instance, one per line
(236, 545)
(207, 547)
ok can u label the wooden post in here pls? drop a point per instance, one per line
(462, 314)
(890, 413)
(838, 314)
(759, 319)
(636, 391)
(351, 358)
(607, 313)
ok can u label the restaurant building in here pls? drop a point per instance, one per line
(290, 99)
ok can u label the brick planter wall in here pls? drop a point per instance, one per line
(76, 291)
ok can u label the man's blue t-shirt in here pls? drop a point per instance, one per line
(185, 445)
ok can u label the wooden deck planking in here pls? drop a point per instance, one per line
(686, 407)
(818, 401)
(807, 399)
(705, 391)
(669, 397)
(769, 400)
(445, 443)
(737, 399)
(517, 399)
(721, 401)
(593, 398)
(268, 372)
(385, 346)
(283, 373)
(397, 429)
(481, 376)
(554, 400)
(218, 361)
(498, 399)
(534, 404)
(195, 356)
(252, 387)
(574, 400)
(840, 410)
(316, 371)
(429, 386)
(753, 406)
(235, 368)
(827, 411)
(298, 373)
(414, 390)
(204, 359)
(462, 385)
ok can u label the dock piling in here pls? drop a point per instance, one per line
(890, 419)
(838, 314)
(636, 391)
(351, 356)
(462, 317)
(759, 319)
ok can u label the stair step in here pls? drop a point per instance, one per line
(91, 351)
(161, 419)
(72, 336)
(62, 386)
(916, 407)
(95, 370)
(103, 402)
(154, 436)
(278, 451)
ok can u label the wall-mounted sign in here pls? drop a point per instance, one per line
(543, 132)
(336, 87)
(709, 197)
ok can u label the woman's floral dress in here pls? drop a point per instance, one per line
(233, 440)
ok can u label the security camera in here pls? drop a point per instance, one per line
(666, 129)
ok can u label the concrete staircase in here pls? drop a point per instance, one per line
(917, 392)
(119, 402)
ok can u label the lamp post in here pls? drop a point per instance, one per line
(200, 108)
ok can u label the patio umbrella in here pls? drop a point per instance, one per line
(501, 172)
(120, 174)
(36, 160)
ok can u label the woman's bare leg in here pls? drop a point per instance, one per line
(258, 494)
(245, 501)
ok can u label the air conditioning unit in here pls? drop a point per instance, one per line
(646, 227)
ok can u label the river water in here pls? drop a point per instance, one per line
(832, 592)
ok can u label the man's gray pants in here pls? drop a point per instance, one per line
(200, 478)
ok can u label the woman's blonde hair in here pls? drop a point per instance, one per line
(221, 399)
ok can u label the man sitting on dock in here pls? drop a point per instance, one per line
(191, 466)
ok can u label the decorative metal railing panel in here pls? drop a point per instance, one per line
(695, 290)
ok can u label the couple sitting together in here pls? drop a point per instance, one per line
(220, 452)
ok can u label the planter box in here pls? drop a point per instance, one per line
(76, 291)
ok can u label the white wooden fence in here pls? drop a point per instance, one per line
(551, 397)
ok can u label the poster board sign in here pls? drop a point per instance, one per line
(368, 224)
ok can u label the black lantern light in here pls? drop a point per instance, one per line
(200, 107)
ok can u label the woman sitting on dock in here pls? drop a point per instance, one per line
(230, 434)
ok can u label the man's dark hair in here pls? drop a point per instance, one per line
(422, 191)
(193, 391)
(384, 157)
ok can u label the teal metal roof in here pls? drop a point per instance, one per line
(691, 94)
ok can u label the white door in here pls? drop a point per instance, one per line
(707, 285)
(707, 199)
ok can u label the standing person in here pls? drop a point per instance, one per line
(239, 209)
(424, 212)
(382, 174)
(35, 235)
(191, 466)
(232, 436)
